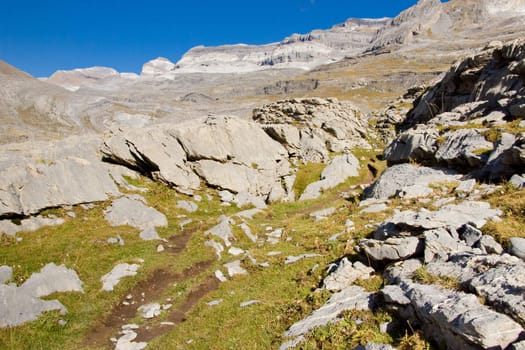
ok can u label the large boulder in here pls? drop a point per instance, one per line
(400, 178)
(53, 174)
(225, 152)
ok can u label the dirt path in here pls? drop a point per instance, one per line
(151, 290)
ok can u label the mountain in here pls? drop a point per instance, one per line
(366, 61)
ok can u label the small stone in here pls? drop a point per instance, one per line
(466, 186)
(517, 247)
(130, 326)
(220, 276)
(62, 323)
(235, 251)
(249, 303)
(214, 302)
(375, 208)
(149, 234)
(150, 310)
(293, 259)
(489, 244)
(470, 234)
(234, 268)
(71, 214)
(165, 323)
(160, 248)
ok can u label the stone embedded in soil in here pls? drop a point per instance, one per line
(133, 212)
(150, 310)
(112, 278)
(234, 268)
(351, 298)
(293, 259)
(220, 276)
(19, 305)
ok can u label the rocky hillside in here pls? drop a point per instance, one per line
(282, 226)
(306, 222)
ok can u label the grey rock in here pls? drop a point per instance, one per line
(451, 216)
(374, 208)
(292, 343)
(220, 276)
(18, 308)
(214, 302)
(517, 247)
(322, 214)
(458, 320)
(249, 213)
(351, 298)
(466, 186)
(517, 181)
(28, 186)
(461, 149)
(125, 342)
(345, 274)
(234, 268)
(188, 206)
(235, 251)
(152, 150)
(336, 172)
(391, 249)
(295, 258)
(32, 223)
(126, 211)
(249, 303)
(226, 196)
(19, 305)
(149, 234)
(496, 278)
(417, 144)
(397, 177)
(245, 199)
(401, 271)
(149, 310)
(223, 231)
(216, 246)
(6, 273)
(393, 294)
(248, 232)
(439, 244)
(51, 279)
(112, 278)
(489, 244)
(310, 127)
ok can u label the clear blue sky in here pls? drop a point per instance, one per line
(42, 36)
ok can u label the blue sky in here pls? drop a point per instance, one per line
(42, 36)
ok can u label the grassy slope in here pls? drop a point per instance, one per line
(282, 289)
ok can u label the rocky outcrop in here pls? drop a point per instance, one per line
(225, 152)
(65, 173)
(310, 128)
(466, 121)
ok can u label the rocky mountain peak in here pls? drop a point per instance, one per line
(73, 79)
(158, 66)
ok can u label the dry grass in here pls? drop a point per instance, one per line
(512, 202)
